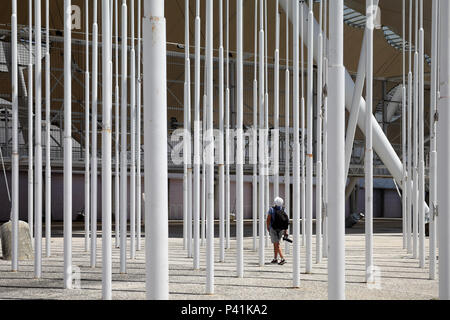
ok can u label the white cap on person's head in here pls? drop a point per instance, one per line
(278, 202)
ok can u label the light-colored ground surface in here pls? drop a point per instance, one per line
(401, 278)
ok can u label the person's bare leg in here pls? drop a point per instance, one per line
(279, 252)
(275, 250)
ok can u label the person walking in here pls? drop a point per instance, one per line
(277, 224)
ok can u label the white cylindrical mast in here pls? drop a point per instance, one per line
(261, 156)
(368, 163)
(296, 156)
(117, 128)
(15, 144)
(443, 156)
(87, 136)
(209, 152)
(197, 143)
(310, 138)
(421, 159)
(319, 142)
(155, 138)
(94, 162)
(38, 143)
(67, 145)
(415, 128)
(48, 170)
(276, 102)
(404, 181)
(325, 137)
(433, 172)
(336, 161)
(221, 142)
(287, 158)
(132, 137)
(123, 145)
(30, 122)
(409, 140)
(227, 130)
(138, 132)
(240, 143)
(106, 153)
(255, 135)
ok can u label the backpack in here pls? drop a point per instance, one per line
(281, 219)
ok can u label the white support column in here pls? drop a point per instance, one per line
(421, 162)
(15, 145)
(117, 129)
(276, 120)
(106, 153)
(221, 142)
(319, 143)
(48, 169)
(433, 159)
(325, 135)
(38, 144)
(443, 156)
(261, 156)
(409, 141)
(209, 149)
(254, 149)
(310, 138)
(123, 145)
(287, 172)
(227, 133)
(94, 161)
(67, 145)
(155, 138)
(336, 165)
(368, 162)
(87, 136)
(132, 137)
(197, 143)
(296, 155)
(138, 132)
(240, 143)
(404, 120)
(30, 122)
(302, 128)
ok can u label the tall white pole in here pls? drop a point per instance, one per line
(240, 143)
(221, 141)
(325, 138)
(15, 145)
(416, 140)
(123, 145)
(187, 137)
(296, 157)
(443, 135)
(30, 121)
(87, 137)
(310, 138)
(138, 133)
(38, 144)
(302, 129)
(94, 162)
(209, 152)
(48, 170)
(404, 181)
(287, 164)
(336, 161)
(186, 241)
(117, 137)
(276, 116)
(409, 140)
(106, 153)
(421, 163)
(319, 142)
(132, 137)
(262, 224)
(197, 143)
(67, 145)
(368, 163)
(155, 138)
(227, 129)
(255, 135)
(433, 172)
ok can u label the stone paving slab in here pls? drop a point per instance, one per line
(400, 275)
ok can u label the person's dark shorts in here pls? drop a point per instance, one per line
(275, 235)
